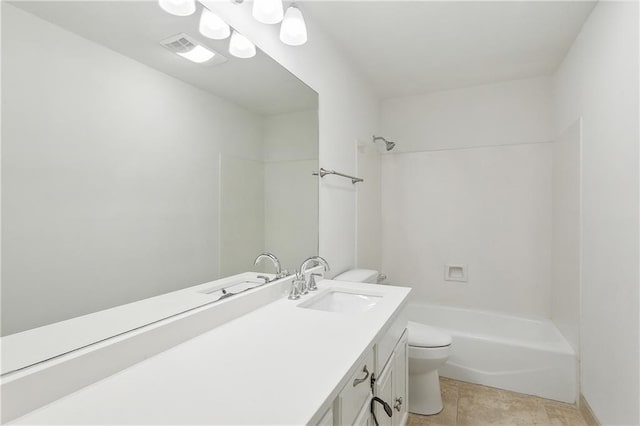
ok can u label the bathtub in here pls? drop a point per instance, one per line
(503, 351)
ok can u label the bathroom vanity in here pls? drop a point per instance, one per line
(383, 374)
(308, 361)
(388, 382)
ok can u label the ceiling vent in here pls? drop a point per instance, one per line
(181, 44)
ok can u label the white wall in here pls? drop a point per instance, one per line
(110, 177)
(242, 214)
(598, 81)
(291, 136)
(290, 189)
(469, 182)
(509, 112)
(488, 208)
(291, 211)
(348, 110)
(369, 218)
(565, 289)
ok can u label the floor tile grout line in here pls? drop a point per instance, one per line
(455, 419)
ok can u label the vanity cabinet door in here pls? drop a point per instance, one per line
(384, 391)
(400, 403)
(364, 418)
(356, 394)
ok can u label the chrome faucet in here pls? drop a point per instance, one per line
(279, 272)
(311, 285)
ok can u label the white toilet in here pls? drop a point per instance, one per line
(428, 349)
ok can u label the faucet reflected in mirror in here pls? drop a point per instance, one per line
(280, 273)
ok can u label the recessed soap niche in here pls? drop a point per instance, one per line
(456, 272)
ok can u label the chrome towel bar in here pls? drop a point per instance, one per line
(323, 172)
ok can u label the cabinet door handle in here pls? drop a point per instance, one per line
(356, 382)
(398, 404)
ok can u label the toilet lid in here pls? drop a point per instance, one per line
(358, 276)
(425, 336)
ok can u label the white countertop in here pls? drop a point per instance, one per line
(276, 365)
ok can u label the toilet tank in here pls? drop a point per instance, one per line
(359, 276)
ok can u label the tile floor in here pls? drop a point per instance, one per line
(467, 404)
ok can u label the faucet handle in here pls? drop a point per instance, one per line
(304, 288)
(294, 292)
(296, 289)
(312, 281)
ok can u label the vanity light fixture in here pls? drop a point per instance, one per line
(241, 47)
(293, 30)
(268, 11)
(213, 26)
(178, 7)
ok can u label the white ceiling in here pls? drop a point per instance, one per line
(409, 47)
(402, 47)
(135, 28)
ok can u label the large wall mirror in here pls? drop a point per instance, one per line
(129, 171)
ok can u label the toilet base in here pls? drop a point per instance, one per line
(424, 393)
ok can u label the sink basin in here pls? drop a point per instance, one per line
(342, 301)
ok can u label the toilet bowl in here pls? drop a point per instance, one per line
(429, 348)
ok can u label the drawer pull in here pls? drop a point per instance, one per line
(356, 382)
(398, 404)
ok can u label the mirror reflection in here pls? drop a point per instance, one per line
(129, 171)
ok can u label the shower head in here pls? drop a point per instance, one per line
(389, 144)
